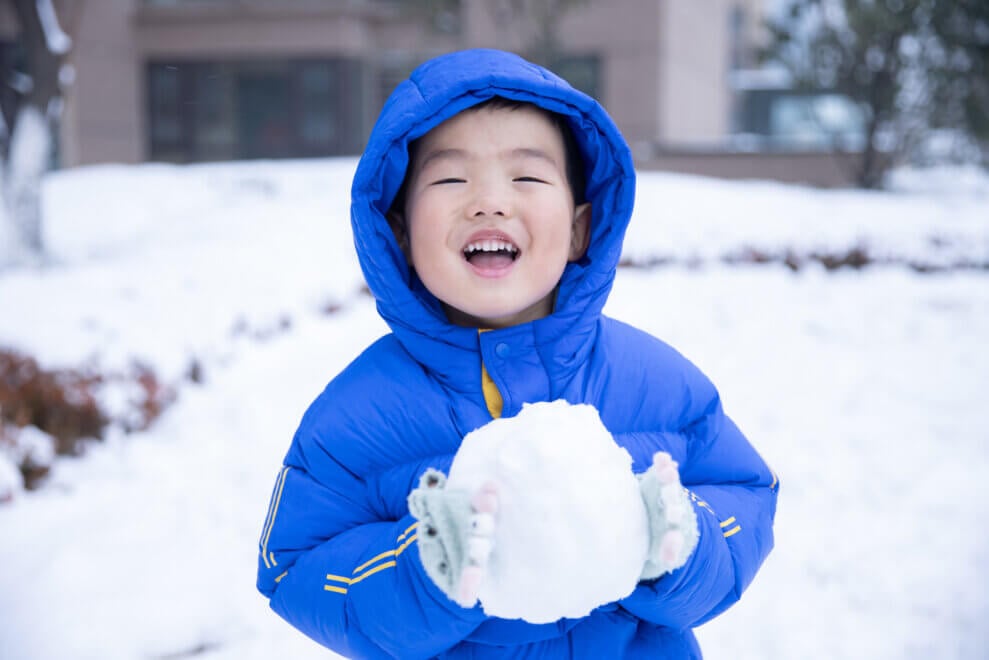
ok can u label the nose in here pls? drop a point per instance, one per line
(489, 200)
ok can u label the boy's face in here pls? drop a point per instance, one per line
(490, 217)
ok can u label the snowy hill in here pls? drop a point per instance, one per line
(864, 389)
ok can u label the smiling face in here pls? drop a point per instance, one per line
(490, 221)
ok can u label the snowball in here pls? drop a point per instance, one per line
(571, 528)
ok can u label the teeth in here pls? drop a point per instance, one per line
(490, 246)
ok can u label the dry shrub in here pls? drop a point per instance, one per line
(331, 307)
(855, 258)
(152, 400)
(64, 404)
(61, 403)
(241, 328)
(195, 372)
(645, 264)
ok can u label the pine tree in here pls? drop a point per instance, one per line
(912, 64)
(958, 72)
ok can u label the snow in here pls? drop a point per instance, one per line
(11, 481)
(865, 390)
(33, 446)
(568, 504)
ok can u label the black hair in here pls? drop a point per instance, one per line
(574, 165)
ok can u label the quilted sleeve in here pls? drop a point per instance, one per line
(734, 493)
(338, 556)
(356, 587)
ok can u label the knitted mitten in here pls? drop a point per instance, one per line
(456, 532)
(673, 532)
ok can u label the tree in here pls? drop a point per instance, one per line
(529, 27)
(29, 112)
(537, 21)
(958, 67)
(912, 64)
(531, 23)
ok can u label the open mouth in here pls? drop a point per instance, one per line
(491, 253)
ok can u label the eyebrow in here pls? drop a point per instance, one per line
(441, 154)
(461, 154)
(529, 152)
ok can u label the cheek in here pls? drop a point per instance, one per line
(423, 223)
(558, 234)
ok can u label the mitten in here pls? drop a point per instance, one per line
(673, 532)
(456, 533)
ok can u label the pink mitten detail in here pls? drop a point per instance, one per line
(665, 467)
(671, 545)
(480, 542)
(672, 521)
(485, 500)
(470, 583)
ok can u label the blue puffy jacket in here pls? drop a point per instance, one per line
(338, 556)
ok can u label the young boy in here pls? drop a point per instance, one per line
(488, 213)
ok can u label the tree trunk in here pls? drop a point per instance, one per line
(31, 131)
(30, 148)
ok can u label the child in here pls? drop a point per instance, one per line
(488, 213)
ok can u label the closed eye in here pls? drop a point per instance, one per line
(528, 179)
(448, 180)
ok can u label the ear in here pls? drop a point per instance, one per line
(580, 233)
(398, 226)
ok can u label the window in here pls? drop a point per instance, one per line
(791, 119)
(223, 110)
(318, 126)
(213, 115)
(165, 102)
(581, 71)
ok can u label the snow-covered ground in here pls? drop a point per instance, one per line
(865, 390)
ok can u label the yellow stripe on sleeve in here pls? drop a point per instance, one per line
(358, 576)
(411, 527)
(734, 530)
(386, 553)
(699, 502)
(376, 569)
(402, 547)
(272, 512)
(728, 522)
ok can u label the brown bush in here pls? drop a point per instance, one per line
(155, 398)
(62, 403)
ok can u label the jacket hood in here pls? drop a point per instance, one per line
(434, 92)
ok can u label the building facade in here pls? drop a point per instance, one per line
(198, 80)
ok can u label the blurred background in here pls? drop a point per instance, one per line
(178, 282)
(827, 92)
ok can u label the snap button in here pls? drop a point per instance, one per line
(503, 350)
